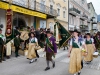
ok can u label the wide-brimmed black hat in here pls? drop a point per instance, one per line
(48, 32)
(88, 34)
(0, 29)
(76, 31)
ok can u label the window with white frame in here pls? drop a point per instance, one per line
(64, 14)
(42, 5)
(69, 19)
(58, 10)
(83, 1)
(73, 20)
(81, 22)
(64, 0)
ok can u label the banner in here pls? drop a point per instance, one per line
(61, 34)
(9, 30)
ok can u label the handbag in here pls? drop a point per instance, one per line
(37, 47)
(83, 51)
(95, 54)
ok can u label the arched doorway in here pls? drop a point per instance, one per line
(19, 22)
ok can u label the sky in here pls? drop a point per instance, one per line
(96, 4)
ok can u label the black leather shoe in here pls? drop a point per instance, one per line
(79, 73)
(53, 64)
(35, 60)
(8, 57)
(0, 61)
(47, 68)
(3, 59)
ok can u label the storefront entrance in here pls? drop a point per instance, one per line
(19, 22)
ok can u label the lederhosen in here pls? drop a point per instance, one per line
(49, 54)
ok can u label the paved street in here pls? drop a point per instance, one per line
(21, 66)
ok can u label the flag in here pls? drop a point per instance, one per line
(61, 34)
(9, 26)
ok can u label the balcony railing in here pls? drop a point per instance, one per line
(33, 5)
(94, 22)
(45, 9)
(75, 10)
(85, 16)
(83, 27)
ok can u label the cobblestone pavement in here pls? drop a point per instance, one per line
(21, 66)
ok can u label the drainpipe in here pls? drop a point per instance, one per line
(68, 15)
(34, 16)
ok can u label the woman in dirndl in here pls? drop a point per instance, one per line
(33, 42)
(90, 48)
(75, 54)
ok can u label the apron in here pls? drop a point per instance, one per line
(31, 50)
(90, 51)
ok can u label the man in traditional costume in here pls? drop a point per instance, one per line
(1, 46)
(76, 44)
(51, 49)
(8, 49)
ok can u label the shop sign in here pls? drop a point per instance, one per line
(22, 10)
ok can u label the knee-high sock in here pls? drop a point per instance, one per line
(52, 61)
(47, 63)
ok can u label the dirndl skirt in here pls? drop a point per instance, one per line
(90, 50)
(75, 64)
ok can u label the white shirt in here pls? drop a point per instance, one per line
(33, 39)
(83, 42)
(91, 40)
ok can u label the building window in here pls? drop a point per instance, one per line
(83, 1)
(42, 6)
(58, 11)
(51, 9)
(81, 22)
(64, 0)
(64, 14)
(72, 20)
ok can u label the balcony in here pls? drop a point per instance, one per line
(33, 5)
(45, 9)
(89, 20)
(74, 11)
(94, 22)
(84, 17)
(83, 27)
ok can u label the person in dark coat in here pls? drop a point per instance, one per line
(17, 44)
(1, 46)
(51, 49)
(37, 32)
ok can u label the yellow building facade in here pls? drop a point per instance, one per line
(60, 11)
(37, 13)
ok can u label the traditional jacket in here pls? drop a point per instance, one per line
(17, 42)
(52, 47)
